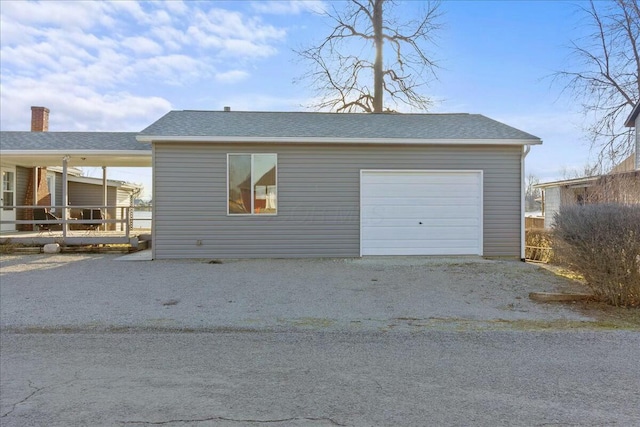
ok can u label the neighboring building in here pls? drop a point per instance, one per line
(633, 121)
(33, 168)
(621, 185)
(276, 184)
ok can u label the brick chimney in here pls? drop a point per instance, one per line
(39, 119)
(37, 184)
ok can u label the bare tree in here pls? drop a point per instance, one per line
(352, 57)
(588, 169)
(532, 195)
(605, 74)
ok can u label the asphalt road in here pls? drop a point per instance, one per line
(302, 378)
(89, 340)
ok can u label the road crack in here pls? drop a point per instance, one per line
(35, 391)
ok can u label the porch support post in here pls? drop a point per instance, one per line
(104, 195)
(65, 197)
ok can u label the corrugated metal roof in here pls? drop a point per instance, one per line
(238, 124)
(39, 141)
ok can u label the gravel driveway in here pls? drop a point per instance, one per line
(102, 291)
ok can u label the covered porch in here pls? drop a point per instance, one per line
(25, 190)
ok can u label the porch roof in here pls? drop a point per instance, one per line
(92, 149)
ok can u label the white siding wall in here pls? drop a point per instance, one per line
(318, 198)
(551, 205)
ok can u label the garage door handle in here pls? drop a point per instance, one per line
(420, 223)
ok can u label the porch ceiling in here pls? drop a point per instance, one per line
(77, 158)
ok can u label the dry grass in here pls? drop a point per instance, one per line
(607, 316)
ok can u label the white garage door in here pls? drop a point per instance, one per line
(420, 212)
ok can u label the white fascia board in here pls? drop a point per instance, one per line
(323, 140)
(25, 153)
(567, 182)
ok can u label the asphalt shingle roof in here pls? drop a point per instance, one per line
(117, 141)
(331, 125)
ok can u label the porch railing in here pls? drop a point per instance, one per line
(70, 217)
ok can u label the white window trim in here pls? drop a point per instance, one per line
(252, 213)
(13, 173)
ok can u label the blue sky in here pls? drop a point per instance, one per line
(119, 66)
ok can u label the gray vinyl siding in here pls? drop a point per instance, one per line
(318, 198)
(58, 189)
(83, 194)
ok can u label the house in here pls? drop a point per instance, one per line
(232, 184)
(633, 121)
(41, 168)
(621, 185)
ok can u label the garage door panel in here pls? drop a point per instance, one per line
(442, 243)
(423, 233)
(447, 203)
(404, 251)
(380, 213)
(404, 201)
(417, 177)
(440, 222)
(417, 190)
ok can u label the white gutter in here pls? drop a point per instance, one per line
(327, 140)
(523, 190)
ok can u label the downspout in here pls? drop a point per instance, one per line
(525, 151)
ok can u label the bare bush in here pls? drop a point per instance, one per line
(602, 242)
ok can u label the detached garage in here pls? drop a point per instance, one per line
(276, 184)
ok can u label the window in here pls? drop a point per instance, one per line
(252, 186)
(8, 190)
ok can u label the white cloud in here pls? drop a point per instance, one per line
(78, 107)
(100, 65)
(234, 34)
(68, 15)
(170, 69)
(290, 7)
(142, 45)
(232, 76)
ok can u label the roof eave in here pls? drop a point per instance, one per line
(324, 140)
(565, 182)
(631, 120)
(133, 153)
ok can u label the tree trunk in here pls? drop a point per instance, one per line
(377, 66)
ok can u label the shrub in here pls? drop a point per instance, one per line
(602, 242)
